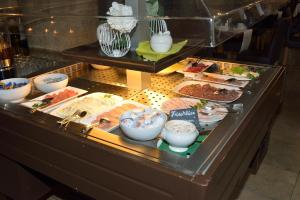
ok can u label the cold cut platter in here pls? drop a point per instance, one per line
(208, 91)
(208, 112)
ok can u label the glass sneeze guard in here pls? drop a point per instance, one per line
(61, 25)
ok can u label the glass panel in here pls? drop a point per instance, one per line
(183, 8)
(58, 25)
(222, 7)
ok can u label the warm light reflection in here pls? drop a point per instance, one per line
(173, 68)
(153, 98)
(71, 31)
(46, 30)
(122, 144)
(55, 32)
(29, 29)
(52, 22)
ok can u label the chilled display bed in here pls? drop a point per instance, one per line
(107, 164)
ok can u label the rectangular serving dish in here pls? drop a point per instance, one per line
(58, 111)
(225, 69)
(89, 121)
(110, 115)
(31, 102)
(193, 74)
(223, 78)
(218, 86)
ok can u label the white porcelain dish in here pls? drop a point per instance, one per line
(148, 130)
(161, 42)
(15, 95)
(217, 113)
(51, 82)
(93, 104)
(100, 67)
(30, 103)
(179, 134)
(194, 74)
(227, 69)
(113, 115)
(218, 86)
(221, 79)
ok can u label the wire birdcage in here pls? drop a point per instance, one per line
(112, 42)
(157, 25)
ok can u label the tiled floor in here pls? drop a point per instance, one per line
(278, 176)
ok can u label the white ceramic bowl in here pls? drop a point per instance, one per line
(44, 83)
(15, 95)
(179, 134)
(143, 134)
(100, 67)
(161, 42)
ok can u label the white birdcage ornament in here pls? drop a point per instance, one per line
(112, 42)
(113, 36)
(157, 26)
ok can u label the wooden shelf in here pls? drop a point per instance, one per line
(92, 54)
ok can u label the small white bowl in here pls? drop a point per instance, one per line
(179, 134)
(51, 82)
(161, 42)
(143, 134)
(100, 67)
(15, 95)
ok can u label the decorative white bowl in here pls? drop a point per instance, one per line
(179, 134)
(100, 67)
(15, 95)
(112, 42)
(51, 82)
(143, 134)
(161, 42)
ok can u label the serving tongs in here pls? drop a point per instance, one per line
(78, 114)
(231, 80)
(88, 128)
(210, 109)
(42, 104)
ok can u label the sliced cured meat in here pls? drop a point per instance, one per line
(207, 91)
(65, 94)
(178, 103)
(113, 116)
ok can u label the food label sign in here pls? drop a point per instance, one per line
(190, 115)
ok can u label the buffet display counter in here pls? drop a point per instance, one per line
(109, 165)
(146, 40)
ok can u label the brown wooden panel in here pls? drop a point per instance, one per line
(108, 167)
(134, 185)
(92, 54)
(234, 164)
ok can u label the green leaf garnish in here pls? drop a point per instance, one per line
(200, 104)
(107, 96)
(251, 76)
(238, 70)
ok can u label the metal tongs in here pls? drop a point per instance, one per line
(234, 108)
(78, 114)
(88, 128)
(43, 104)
